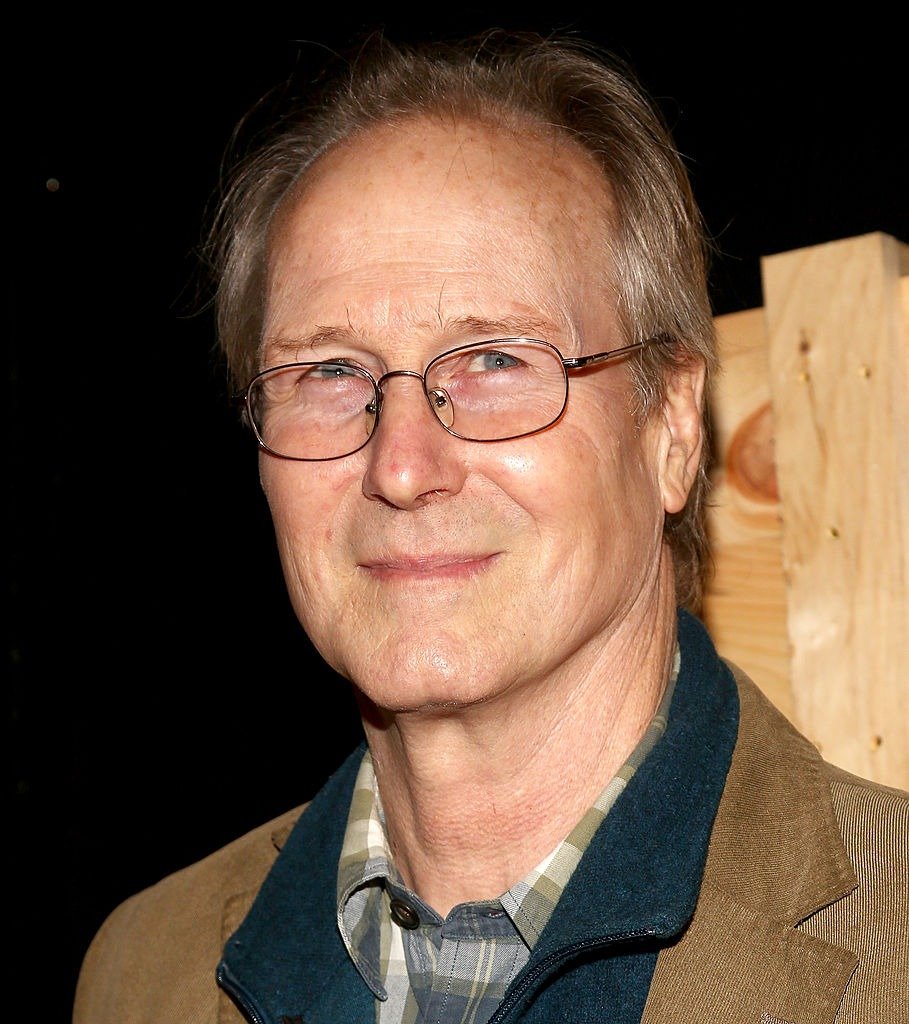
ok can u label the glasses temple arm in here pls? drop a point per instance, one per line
(600, 357)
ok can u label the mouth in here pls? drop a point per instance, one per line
(427, 568)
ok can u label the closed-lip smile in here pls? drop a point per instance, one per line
(441, 565)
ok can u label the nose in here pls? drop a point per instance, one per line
(411, 459)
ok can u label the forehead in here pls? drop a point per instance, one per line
(432, 219)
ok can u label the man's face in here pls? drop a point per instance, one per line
(430, 570)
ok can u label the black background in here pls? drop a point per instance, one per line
(161, 698)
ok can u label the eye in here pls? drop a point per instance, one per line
(491, 359)
(311, 382)
(326, 371)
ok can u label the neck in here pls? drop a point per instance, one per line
(475, 797)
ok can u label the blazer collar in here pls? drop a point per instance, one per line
(776, 856)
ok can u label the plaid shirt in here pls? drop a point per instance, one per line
(456, 970)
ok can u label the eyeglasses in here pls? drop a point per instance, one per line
(488, 391)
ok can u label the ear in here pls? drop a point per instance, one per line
(681, 421)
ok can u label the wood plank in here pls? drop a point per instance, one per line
(839, 371)
(745, 600)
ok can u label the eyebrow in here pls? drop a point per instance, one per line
(509, 326)
(504, 327)
(313, 339)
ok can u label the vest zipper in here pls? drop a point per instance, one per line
(504, 1008)
(240, 997)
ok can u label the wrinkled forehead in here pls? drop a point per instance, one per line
(433, 200)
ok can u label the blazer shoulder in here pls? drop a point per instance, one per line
(235, 868)
(874, 822)
(163, 943)
(853, 788)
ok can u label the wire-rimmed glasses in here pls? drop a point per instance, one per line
(495, 390)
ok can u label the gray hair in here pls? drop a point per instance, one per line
(656, 245)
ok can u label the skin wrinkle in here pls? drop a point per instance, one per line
(460, 679)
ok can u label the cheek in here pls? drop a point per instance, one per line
(563, 487)
(604, 492)
(304, 500)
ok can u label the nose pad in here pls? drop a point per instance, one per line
(441, 406)
(370, 413)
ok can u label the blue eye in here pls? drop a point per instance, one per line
(329, 370)
(493, 359)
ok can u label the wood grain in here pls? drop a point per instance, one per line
(839, 376)
(745, 600)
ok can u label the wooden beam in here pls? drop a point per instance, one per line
(839, 375)
(745, 598)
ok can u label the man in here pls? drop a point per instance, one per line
(464, 293)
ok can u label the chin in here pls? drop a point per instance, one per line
(428, 677)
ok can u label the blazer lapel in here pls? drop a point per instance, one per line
(776, 856)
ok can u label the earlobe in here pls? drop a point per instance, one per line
(682, 421)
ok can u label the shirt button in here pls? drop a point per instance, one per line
(403, 914)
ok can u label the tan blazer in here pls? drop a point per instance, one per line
(803, 916)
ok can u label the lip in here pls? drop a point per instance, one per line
(425, 568)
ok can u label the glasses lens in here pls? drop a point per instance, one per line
(313, 410)
(498, 389)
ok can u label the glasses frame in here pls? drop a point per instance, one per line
(569, 365)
